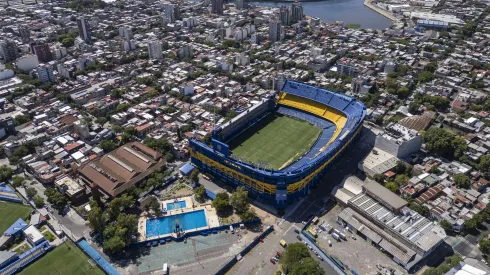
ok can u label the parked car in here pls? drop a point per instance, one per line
(296, 231)
(272, 261)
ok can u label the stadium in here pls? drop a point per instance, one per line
(280, 147)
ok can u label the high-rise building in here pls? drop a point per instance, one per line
(125, 33)
(297, 12)
(8, 50)
(155, 50)
(177, 13)
(42, 51)
(241, 4)
(169, 10)
(24, 33)
(285, 15)
(45, 73)
(275, 30)
(84, 29)
(217, 6)
(185, 52)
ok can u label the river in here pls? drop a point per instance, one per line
(348, 11)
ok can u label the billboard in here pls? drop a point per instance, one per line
(220, 147)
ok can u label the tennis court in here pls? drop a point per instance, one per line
(10, 212)
(66, 259)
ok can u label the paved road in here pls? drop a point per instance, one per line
(74, 225)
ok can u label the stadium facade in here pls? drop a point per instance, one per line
(340, 118)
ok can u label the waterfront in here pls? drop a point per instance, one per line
(349, 11)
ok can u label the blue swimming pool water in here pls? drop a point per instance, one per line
(176, 205)
(166, 225)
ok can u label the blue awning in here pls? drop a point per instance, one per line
(186, 168)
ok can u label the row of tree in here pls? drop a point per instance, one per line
(117, 228)
(237, 201)
(296, 259)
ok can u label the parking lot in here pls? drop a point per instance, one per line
(357, 254)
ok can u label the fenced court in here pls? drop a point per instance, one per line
(10, 212)
(275, 141)
(66, 259)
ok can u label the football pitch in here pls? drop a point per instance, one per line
(10, 212)
(66, 259)
(275, 141)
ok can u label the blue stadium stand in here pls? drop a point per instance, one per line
(7, 194)
(26, 258)
(16, 228)
(92, 253)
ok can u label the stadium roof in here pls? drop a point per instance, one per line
(16, 227)
(384, 194)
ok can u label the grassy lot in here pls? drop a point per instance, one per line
(275, 141)
(66, 259)
(10, 212)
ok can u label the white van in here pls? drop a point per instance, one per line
(165, 269)
(231, 229)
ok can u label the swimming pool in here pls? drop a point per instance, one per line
(176, 205)
(166, 225)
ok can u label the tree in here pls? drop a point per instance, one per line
(195, 176)
(108, 145)
(200, 193)
(101, 120)
(401, 180)
(307, 266)
(413, 107)
(239, 200)
(5, 173)
(18, 181)
(446, 225)
(444, 143)
(422, 210)
(221, 202)
(38, 202)
(119, 204)
(484, 164)
(248, 215)
(461, 181)
(485, 246)
(470, 225)
(113, 245)
(425, 76)
(161, 145)
(56, 199)
(292, 256)
(393, 187)
(400, 167)
(431, 67)
(154, 204)
(96, 218)
(379, 178)
(31, 192)
(378, 120)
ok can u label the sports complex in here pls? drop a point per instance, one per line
(280, 147)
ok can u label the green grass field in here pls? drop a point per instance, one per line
(66, 259)
(275, 141)
(10, 212)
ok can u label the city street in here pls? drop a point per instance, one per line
(72, 223)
